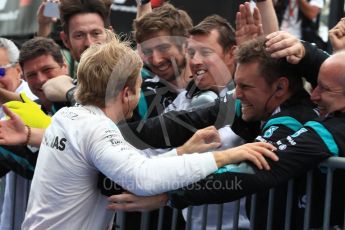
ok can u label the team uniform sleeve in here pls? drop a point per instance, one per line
(19, 159)
(297, 154)
(123, 164)
(173, 129)
(310, 65)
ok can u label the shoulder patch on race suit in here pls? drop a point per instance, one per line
(269, 132)
(299, 132)
(287, 121)
(325, 135)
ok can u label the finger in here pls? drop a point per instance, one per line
(339, 33)
(211, 136)
(41, 8)
(278, 43)
(271, 155)
(123, 206)
(261, 29)
(258, 155)
(207, 136)
(284, 53)
(212, 145)
(272, 35)
(238, 21)
(124, 197)
(211, 127)
(257, 17)
(9, 113)
(266, 145)
(264, 152)
(243, 13)
(278, 37)
(26, 99)
(250, 157)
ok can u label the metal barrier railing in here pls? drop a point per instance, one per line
(330, 165)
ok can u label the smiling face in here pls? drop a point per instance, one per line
(84, 30)
(209, 63)
(39, 70)
(253, 91)
(329, 94)
(163, 56)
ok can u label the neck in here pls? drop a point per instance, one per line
(113, 111)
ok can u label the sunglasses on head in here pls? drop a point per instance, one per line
(4, 68)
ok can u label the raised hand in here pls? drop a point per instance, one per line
(337, 35)
(12, 131)
(44, 23)
(248, 25)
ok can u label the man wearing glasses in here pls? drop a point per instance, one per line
(10, 73)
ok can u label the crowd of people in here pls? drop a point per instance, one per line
(112, 127)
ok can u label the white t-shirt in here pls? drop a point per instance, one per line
(80, 142)
(291, 22)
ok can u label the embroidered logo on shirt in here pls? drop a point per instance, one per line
(269, 132)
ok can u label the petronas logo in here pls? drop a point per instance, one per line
(269, 132)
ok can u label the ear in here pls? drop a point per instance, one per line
(281, 86)
(127, 95)
(65, 66)
(64, 38)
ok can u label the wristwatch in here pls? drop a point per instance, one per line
(70, 95)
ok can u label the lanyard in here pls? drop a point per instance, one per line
(292, 6)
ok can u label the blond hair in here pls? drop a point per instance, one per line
(104, 70)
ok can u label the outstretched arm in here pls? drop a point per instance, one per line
(269, 17)
(251, 152)
(297, 155)
(44, 23)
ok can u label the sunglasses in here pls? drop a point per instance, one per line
(4, 68)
